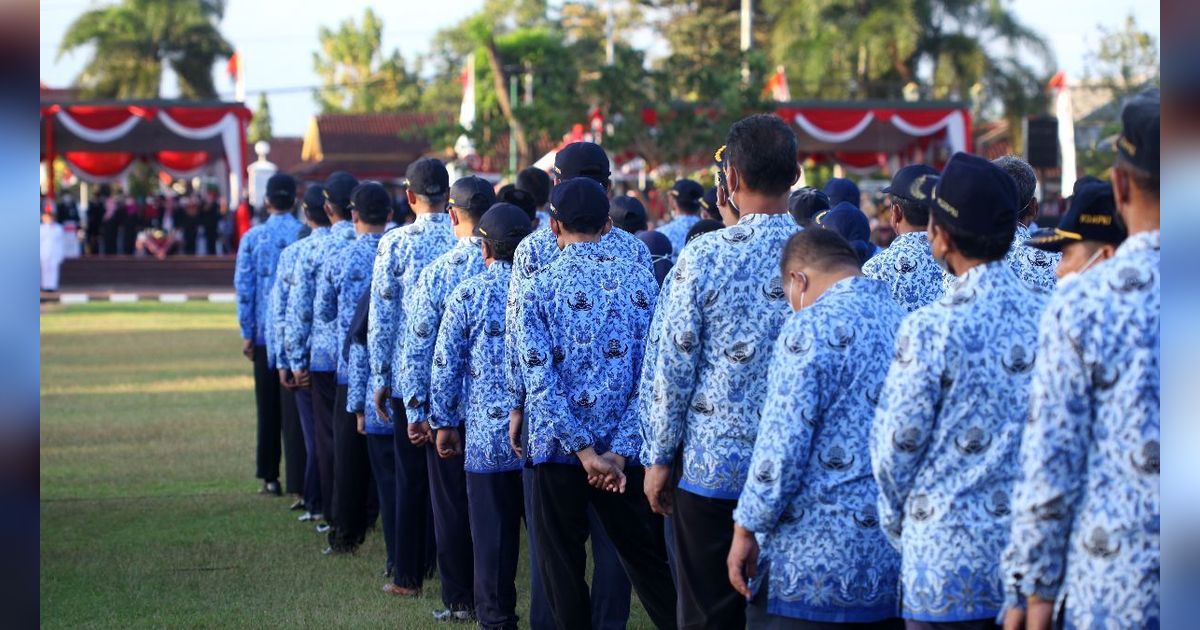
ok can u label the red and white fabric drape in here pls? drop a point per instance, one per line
(863, 139)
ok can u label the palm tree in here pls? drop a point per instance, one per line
(133, 40)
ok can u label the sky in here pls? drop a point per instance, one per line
(276, 39)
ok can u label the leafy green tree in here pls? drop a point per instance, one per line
(260, 125)
(133, 40)
(1125, 60)
(357, 76)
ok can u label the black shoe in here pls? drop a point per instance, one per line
(298, 505)
(271, 488)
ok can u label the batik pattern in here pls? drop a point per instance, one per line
(254, 272)
(908, 268)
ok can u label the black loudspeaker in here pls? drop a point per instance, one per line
(1041, 141)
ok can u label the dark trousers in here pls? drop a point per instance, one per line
(312, 474)
(416, 551)
(610, 586)
(382, 453)
(495, 507)
(351, 477)
(270, 422)
(324, 390)
(452, 529)
(294, 456)
(703, 535)
(561, 498)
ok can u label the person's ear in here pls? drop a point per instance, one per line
(608, 224)
(799, 172)
(485, 248)
(454, 220)
(1120, 185)
(1034, 209)
(896, 214)
(733, 179)
(412, 197)
(555, 226)
(1106, 251)
(354, 216)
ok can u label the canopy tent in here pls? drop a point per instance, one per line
(101, 140)
(867, 135)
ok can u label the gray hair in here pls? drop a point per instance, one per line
(1022, 173)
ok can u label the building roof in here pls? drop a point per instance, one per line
(376, 146)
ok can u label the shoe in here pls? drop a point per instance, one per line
(309, 516)
(453, 615)
(322, 528)
(399, 591)
(338, 551)
(387, 570)
(271, 488)
(298, 505)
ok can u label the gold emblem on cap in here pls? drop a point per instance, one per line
(1129, 147)
(945, 205)
(482, 231)
(1071, 235)
(1095, 219)
(720, 154)
(915, 189)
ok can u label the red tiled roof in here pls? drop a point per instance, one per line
(374, 133)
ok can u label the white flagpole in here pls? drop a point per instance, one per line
(1066, 137)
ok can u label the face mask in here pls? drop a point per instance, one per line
(1072, 276)
(791, 283)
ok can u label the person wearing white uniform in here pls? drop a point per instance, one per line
(51, 249)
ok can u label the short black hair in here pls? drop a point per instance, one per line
(588, 225)
(438, 201)
(823, 249)
(915, 212)
(536, 182)
(317, 215)
(987, 247)
(763, 149)
(1144, 181)
(341, 212)
(502, 250)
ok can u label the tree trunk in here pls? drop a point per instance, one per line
(499, 81)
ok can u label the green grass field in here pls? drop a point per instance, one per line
(149, 517)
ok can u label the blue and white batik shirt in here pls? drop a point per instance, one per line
(403, 254)
(810, 496)
(467, 381)
(1086, 510)
(945, 440)
(423, 307)
(254, 273)
(285, 279)
(676, 231)
(311, 344)
(908, 268)
(342, 284)
(722, 313)
(1033, 266)
(584, 320)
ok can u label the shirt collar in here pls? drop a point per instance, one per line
(1140, 242)
(320, 230)
(981, 273)
(432, 217)
(583, 249)
(758, 218)
(500, 267)
(342, 228)
(1022, 232)
(910, 238)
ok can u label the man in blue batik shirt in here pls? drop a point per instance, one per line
(301, 252)
(907, 265)
(1085, 535)
(810, 498)
(1033, 266)
(536, 182)
(721, 314)
(470, 198)
(468, 394)
(584, 321)
(684, 202)
(310, 344)
(610, 588)
(342, 283)
(403, 253)
(949, 421)
(257, 257)
(293, 437)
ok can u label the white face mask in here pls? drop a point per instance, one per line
(1072, 276)
(791, 283)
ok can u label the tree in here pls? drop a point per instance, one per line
(260, 125)
(132, 40)
(356, 75)
(1125, 60)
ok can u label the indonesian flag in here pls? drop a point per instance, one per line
(1065, 112)
(777, 86)
(235, 70)
(466, 114)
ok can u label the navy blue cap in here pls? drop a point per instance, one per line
(841, 189)
(579, 200)
(660, 252)
(850, 223)
(372, 202)
(504, 223)
(536, 182)
(902, 181)
(687, 193)
(428, 176)
(805, 203)
(281, 190)
(581, 159)
(314, 198)
(1091, 217)
(473, 194)
(1138, 143)
(971, 194)
(628, 214)
(709, 200)
(338, 187)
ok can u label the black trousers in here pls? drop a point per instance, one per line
(703, 535)
(312, 474)
(324, 390)
(294, 457)
(351, 477)
(270, 420)
(496, 505)
(561, 498)
(416, 550)
(452, 529)
(382, 454)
